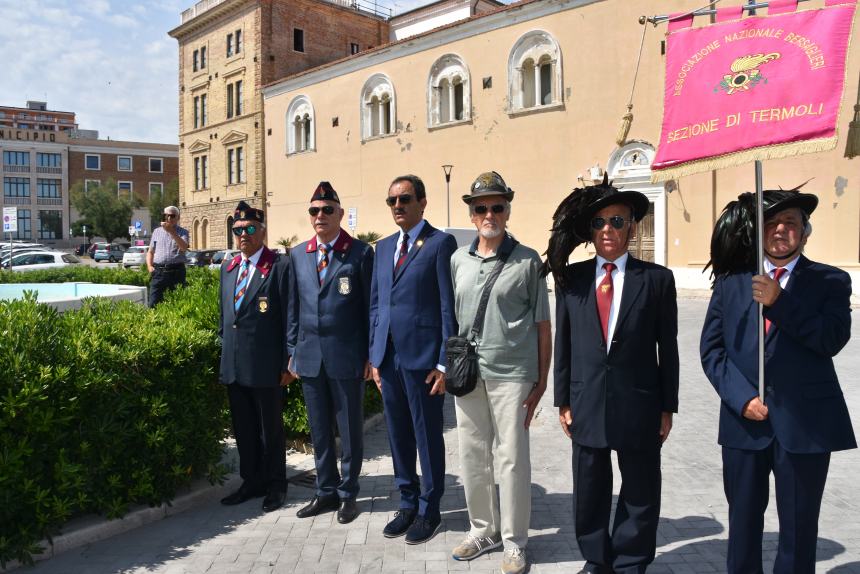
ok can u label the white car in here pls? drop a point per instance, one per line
(135, 256)
(41, 260)
(219, 257)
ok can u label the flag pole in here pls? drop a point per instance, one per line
(707, 10)
(759, 213)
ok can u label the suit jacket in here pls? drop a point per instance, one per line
(415, 306)
(811, 323)
(328, 324)
(253, 340)
(616, 399)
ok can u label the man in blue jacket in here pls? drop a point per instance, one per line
(803, 417)
(327, 340)
(411, 317)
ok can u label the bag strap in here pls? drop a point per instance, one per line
(478, 325)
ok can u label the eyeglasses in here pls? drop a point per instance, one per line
(483, 209)
(404, 198)
(250, 230)
(615, 221)
(327, 209)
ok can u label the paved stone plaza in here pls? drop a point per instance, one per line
(692, 535)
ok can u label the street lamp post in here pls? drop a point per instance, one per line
(447, 169)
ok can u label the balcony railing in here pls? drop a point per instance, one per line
(198, 9)
(42, 169)
(16, 168)
(17, 200)
(49, 201)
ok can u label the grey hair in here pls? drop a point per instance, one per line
(172, 209)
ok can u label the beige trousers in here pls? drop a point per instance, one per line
(494, 413)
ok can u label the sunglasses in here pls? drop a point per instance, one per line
(166, 216)
(327, 209)
(615, 221)
(250, 230)
(404, 198)
(483, 209)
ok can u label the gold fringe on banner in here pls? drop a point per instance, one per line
(626, 122)
(852, 147)
(744, 156)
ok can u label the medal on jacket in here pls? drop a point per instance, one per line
(263, 304)
(343, 286)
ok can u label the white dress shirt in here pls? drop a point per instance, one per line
(254, 259)
(617, 287)
(770, 268)
(328, 247)
(413, 235)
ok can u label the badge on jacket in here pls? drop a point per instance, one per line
(343, 286)
(263, 304)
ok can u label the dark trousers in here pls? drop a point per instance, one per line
(162, 280)
(799, 481)
(259, 430)
(414, 420)
(632, 543)
(329, 402)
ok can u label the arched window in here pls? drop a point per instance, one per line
(230, 232)
(300, 126)
(378, 107)
(203, 239)
(449, 97)
(534, 72)
(195, 235)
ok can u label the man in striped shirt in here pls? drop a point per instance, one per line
(166, 256)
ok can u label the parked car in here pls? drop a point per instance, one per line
(200, 257)
(4, 258)
(109, 252)
(41, 260)
(135, 256)
(220, 256)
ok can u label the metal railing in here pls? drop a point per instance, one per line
(16, 168)
(44, 169)
(49, 201)
(17, 200)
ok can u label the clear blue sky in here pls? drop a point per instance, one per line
(109, 61)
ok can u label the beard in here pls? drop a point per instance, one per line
(490, 232)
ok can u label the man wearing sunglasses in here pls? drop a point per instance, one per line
(616, 373)
(411, 317)
(254, 304)
(327, 340)
(514, 351)
(165, 258)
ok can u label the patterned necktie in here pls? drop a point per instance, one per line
(404, 251)
(323, 263)
(241, 284)
(604, 298)
(777, 273)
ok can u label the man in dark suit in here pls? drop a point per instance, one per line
(803, 417)
(616, 377)
(253, 303)
(411, 317)
(327, 340)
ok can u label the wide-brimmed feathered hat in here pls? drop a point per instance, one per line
(571, 222)
(733, 242)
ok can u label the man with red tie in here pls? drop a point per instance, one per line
(803, 417)
(616, 373)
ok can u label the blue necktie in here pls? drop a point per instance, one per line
(241, 285)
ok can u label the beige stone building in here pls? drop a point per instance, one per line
(229, 49)
(535, 90)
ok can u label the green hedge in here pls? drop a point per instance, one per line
(111, 405)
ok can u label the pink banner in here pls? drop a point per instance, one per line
(755, 88)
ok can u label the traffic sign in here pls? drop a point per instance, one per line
(10, 219)
(138, 225)
(352, 218)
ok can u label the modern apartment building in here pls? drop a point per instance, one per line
(35, 117)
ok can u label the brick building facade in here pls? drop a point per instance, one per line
(229, 50)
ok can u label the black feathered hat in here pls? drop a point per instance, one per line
(571, 222)
(776, 200)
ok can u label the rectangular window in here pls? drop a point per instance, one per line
(229, 45)
(195, 61)
(238, 97)
(231, 166)
(25, 230)
(16, 187)
(238, 41)
(21, 158)
(196, 111)
(48, 188)
(197, 174)
(123, 189)
(156, 165)
(240, 164)
(353, 48)
(298, 40)
(204, 115)
(123, 163)
(156, 189)
(90, 184)
(49, 160)
(229, 101)
(92, 161)
(202, 57)
(205, 171)
(50, 224)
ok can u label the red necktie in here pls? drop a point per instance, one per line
(404, 251)
(777, 273)
(321, 266)
(604, 298)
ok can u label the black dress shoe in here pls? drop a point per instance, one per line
(318, 505)
(347, 511)
(423, 529)
(274, 499)
(244, 493)
(403, 519)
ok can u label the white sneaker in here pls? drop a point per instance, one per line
(472, 546)
(514, 561)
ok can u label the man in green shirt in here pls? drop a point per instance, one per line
(514, 351)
